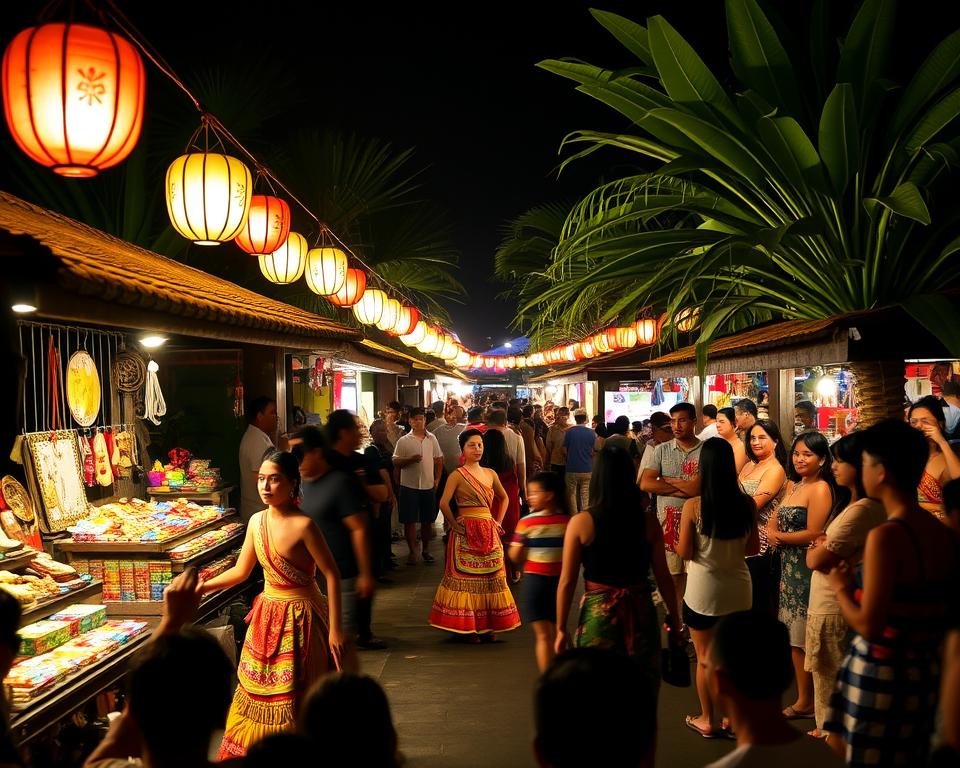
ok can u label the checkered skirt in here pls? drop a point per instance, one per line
(884, 704)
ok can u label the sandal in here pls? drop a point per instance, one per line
(688, 720)
(795, 714)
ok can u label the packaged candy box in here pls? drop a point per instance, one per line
(44, 636)
(86, 617)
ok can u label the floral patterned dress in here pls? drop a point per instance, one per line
(794, 575)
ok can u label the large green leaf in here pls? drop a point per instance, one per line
(631, 35)
(759, 59)
(941, 68)
(686, 79)
(793, 152)
(839, 137)
(934, 120)
(905, 200)
(865, 51)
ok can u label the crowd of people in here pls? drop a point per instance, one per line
(811, 566)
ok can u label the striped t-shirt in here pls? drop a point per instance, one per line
(542, 534)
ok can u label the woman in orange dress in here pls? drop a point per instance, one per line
(290, 641)
(943, 465)
(473, 597)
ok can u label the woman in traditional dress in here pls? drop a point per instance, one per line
(798, 521)
(290, 641)
(473, 597)
(882, 712)
(617, 544)
(943, 465)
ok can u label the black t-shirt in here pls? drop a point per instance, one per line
(327, 501)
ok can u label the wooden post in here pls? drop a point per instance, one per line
(785, 418)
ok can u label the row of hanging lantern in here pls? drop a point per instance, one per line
(74, 100)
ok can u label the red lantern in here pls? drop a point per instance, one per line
(647, 330)
(354, 285)
(267, 225)
(73, 97)
(621, 338)
(406, 322)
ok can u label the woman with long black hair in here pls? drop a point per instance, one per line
(617, 544)
(496, 456)
(716, 531)
(801, 518)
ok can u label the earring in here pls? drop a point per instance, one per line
(291, 494)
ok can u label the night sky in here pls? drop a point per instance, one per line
(455, 80)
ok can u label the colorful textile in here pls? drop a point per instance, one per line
(794, 575)
(623, 620)
(542, 534)
(930, 493)
(669, 459)
(284, 652)
(473, 595)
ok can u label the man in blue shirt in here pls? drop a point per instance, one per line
(578, 442)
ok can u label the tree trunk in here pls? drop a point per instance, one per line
(878, 390)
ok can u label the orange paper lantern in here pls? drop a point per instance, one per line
(621, 338)
(354, 284)
(73, 97)
(267, 227)
(647, 330)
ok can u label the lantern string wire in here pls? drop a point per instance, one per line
(211, 123)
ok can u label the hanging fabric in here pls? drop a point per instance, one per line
(101, 458)
(86, 459)
(53, 387)
(113, 452)
(657, 398)
(154, 404)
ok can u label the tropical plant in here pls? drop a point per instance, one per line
(794, 196)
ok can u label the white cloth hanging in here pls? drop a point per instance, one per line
(154, 404)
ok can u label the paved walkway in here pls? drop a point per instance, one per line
(470, 706)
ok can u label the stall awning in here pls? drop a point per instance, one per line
(416, 362)
(102, 279)
(560, 373)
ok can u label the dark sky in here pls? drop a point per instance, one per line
(455, 80)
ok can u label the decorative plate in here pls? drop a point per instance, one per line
(17, 498)
(83, 389)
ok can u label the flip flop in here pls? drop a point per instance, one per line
(795, 714)
(688, 721)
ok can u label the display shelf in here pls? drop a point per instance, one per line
(217, 496)
(52, 706)
(145, 547)
(16, 561)
(143, 608)
(88, 594)
(210, 553)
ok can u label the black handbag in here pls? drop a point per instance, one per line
(675, 666)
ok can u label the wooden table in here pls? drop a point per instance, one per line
(219, 497)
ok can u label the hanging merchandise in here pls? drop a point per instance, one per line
(112, 453)
(53, 387)
(86, 459)
(17, 499)
(130, 374)
(127, 447)
(154, 404)
(238, 397)
(56, 467)
(318, 378)
(657, 398)
(83, 389)
(101, 458)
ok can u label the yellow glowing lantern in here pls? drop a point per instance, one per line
(490, 363)
(268, 225)
(417, 335)
(463, 359)
(208, 196)
(390, 315)
(621, 338)
(406, 321)
(73, 97)
(687, 319)
(326, 270)
(647, 330)
(586, 348)
(285, 265)
(354, 284)
(521, 361)
(369, 309)
(431, 342)
(448, 349)
(600, 343)
(477, 361)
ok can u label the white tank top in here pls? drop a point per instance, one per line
(718, 581)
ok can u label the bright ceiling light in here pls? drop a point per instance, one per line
(152, 342)
(508, 345)
(23, 309)
(827, 386)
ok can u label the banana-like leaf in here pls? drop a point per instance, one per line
(631, 35)
(934, 120)
(793, 152)
(865, 52)
(905, 200)
(839, 137)
(938, 71)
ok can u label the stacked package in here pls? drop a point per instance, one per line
(128, 580)
(204, 541)
(43, 636)
(83, 617)
(218, 566)
(135, 520)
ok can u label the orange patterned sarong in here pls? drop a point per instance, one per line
(284, 652)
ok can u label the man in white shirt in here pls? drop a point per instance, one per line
(256, 441)
(497, 419)
(748, 669)
(418, 461)
(709, 416)
(448, 436)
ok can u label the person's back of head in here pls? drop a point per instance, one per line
(429, 415)
(616, 710)
(281, 749)
(514, 414)
(338, 421)
(10, 615)
(499, 405)
(349, 717)
(311, 437)
(746, 405)
(437, 407)
(475, 415)
(901, 450)
(497, 418)
(950, 388)
(617, 494)
(659, 419)
(749, 657)
(620, 426)
(256, 406)
(709, 411)
(580, 416)
(179, 691)
(528, 411)
(495, 453)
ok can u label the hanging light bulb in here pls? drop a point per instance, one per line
(73, 97)
(354, 284)
(285, 265)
